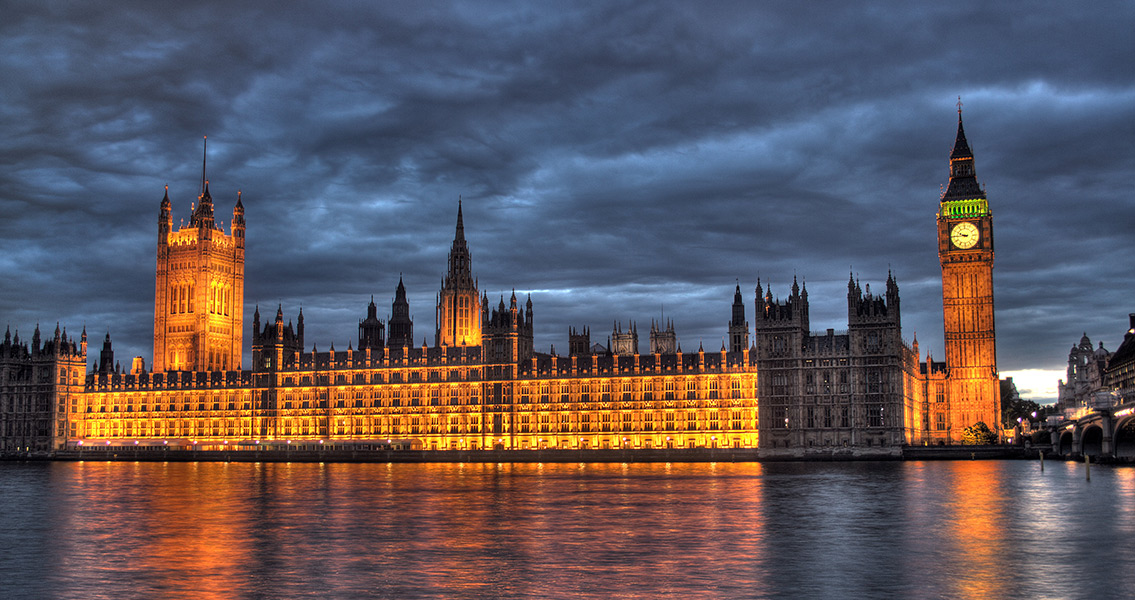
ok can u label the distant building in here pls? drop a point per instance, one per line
(624, 343)
(1120, 372)
(663, 341)
(1084, 387)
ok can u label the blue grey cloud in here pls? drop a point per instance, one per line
(616, 159)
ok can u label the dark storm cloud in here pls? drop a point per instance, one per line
(617, 160)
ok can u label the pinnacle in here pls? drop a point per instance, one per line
(961, 146)
(460, 223)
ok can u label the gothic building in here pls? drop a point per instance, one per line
(853, 388)
(482, 384)
(41, 389)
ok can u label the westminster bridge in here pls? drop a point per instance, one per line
(1105, 433)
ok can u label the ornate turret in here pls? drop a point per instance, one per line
(165, 218)
(738, 326)
(865, 308)
(277, 344)
(793, 312)
(238, 225)
(663, 340)
(299, 327)
(624, 343)
(507, 332)
(401, 326)
(579, 341)
(106, 357)
(371, 330)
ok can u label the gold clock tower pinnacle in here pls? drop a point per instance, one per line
(965, 249)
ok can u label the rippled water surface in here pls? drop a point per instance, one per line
(984, 529)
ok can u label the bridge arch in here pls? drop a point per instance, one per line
(1124, 438)
(1064, 444)
(1091, 441)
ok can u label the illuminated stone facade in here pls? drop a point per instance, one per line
(853, 389)
(496, 393)
(965, 249)
(448, 398)
(199, 290)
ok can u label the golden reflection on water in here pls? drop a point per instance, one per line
(976, 527)
(967, 529)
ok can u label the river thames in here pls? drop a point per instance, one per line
(965, 529)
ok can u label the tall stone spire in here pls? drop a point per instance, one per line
(738, 326)
(460, 223)
(401, 330)
(460, 270)
(458, 304)
(963, 179)
(203, 213)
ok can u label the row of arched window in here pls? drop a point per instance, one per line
(181, 299)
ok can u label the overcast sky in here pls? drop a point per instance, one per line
(617, 160)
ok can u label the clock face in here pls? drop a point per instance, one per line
(964, 235)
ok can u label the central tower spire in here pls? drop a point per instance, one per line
(460, 223)
(458, 302)
(202, 216)
(460, 271)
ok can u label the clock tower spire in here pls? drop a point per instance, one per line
(965, 250)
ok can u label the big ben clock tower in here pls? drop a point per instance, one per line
(965, 249)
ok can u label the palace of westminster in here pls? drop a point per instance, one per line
(482, 385)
